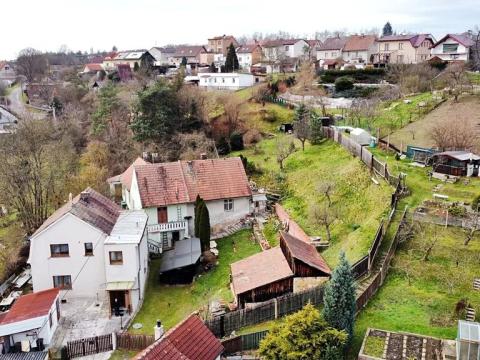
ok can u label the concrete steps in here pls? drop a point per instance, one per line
(476, 284)
(470, 314)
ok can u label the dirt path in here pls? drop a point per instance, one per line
(418, 132)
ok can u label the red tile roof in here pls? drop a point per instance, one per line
(333, 43)
(94, 67)
(304, 252)
(30, 306)
(180, 182)
(246, 49)
(359, 42)
(98, 211)
(260, 269)
(126, 177)
(189, 51)
(189, 340)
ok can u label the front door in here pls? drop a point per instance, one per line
(117, 302)
(162, 215)
(175, 236)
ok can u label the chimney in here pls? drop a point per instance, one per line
(84, 196)
(203, 156)
(158, 330)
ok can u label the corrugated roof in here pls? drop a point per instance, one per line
(260, 269)
(33, 355)
(180, 182)
(97, 210)
(459, 155)
(129, 228)
(305, 252)
(189, 340)
(30, 306)
(185, 253)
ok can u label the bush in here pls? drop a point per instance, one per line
(476, 202)
(456, 210)
(368, 75)
(236, 142)
(223, 147)
(343, 83)
(251, 137)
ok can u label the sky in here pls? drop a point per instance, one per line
(100, 24)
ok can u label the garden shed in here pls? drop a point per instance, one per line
(302, 257)
(361, 136)
(456, 163)
(468, 340)
(261, 277)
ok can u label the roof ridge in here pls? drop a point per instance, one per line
(184, 181)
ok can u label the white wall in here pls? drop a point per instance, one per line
(87, 272)
(462, 52)
(328, 54)
(134, 200)
(226, 81)
(245, 60)
(218, 215)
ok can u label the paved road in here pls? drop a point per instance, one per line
(17, 106)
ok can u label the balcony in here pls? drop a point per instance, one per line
(169, 226)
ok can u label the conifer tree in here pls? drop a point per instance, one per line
(204, 227)
(339, 299)
(316, 132)
(301, 124)
(387, 29)
(231, 63)
(198, 203)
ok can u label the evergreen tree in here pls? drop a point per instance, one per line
(387, 29)
(303, 335)
(301, 123)
(212, 68)
(184, 61)
(136, 67)
(339, 299)
(204, 227)
(316, 132)
(231, 63)
(198, 204)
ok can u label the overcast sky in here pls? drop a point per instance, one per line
(129, 24)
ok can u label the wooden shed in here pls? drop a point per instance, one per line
(261, 277)
(302, 257)
(456, 163)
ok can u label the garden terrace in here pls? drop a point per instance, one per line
(379, 344)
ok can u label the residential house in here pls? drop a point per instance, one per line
(167, 192)
(331, 48)
(7, 73)
(30, 323)
(249, 55)
(133, 58)
(453, 47)
(359, 49)
(162, 55)
(273, 272)
(403, 49)
(108, 63)
(225, 81)
(91, 248)
(189, 340)
(274, 50)
(456, 163)
(193, 54)
(120, 184)
(220, 44)
(92, 68)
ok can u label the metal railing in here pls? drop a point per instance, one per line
(169, 226)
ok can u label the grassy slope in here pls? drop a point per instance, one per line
(361, 203)
(171, 304)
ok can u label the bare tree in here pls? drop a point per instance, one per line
(325, 216)
(194, 145)
(427, 241)
(473, 229)
(31, 63)
(475, 49)
(455, 74)
(326, 188)
(231, 105)
(285, 148)
(306, 78)
(462, 135)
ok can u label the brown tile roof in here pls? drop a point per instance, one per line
(280, 42)
(222, 37)
(180, 182)
(333, 43)
(189, 340)
(260, 269)
(463, 39)
(30, 306)
(94, 67)
(359, 42)
(97, 210)
(126, 177)
(245, 49)
(304, 252)
(189, 51)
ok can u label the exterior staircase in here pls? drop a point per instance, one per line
(470, 316)
(364, 282)
(232, 229)
(476, 284)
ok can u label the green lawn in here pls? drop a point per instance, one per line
(123, 354)
(426, 305)
(360, 203)
(277, 115)
(171, 304)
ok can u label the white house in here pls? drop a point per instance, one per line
(359, 49)
(331, 48)
(31, 321)
(248, 55)
(90, 248)
(162, 55)
(453, 47)
(167, 193)
(225, 81)
(274, 50)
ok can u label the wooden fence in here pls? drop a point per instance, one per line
(128, 341)
(243, 342)
(272, 309)
(89, 346)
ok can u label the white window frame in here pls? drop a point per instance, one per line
(228, 205)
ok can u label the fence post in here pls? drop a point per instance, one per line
(114, 340)
(276, 307)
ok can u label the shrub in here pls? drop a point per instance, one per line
(456, 210)
(251, 137)
(236, 142)
(223, 147)
(343, 83)
(476, 202)
(368, 75)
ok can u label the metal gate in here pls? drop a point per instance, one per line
(89, 346)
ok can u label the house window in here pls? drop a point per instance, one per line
(50, 320)
(448, 48)
(286, 48)
(88, 249)
(162, 215)
(228, 204)
(233, 80)
(386, 47)
(400, 46)
(62, 282)
(223, 80)
(116, 258)
(400, 59)
(59, 250)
